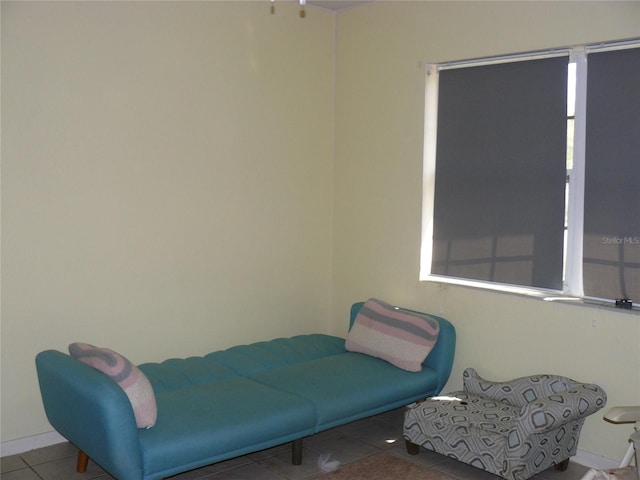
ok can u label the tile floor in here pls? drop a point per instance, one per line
(346, 444)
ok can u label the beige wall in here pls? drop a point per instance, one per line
(378, 167)
(166, 181)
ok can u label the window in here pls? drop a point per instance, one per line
(532, 172)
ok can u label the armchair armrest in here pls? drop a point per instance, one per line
(558, 409)
(91, 411)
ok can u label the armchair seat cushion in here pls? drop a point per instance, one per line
(472, 412)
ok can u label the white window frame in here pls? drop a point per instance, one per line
(575, 208)
(572, 283)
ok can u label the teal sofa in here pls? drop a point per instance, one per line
(232, 402)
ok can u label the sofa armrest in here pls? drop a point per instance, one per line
(440, 359)
(558, 409)
(91, 411)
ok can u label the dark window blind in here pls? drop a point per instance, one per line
(501, 173)
(611, 254)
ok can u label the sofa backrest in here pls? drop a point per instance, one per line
(240, 361)
(176, 373)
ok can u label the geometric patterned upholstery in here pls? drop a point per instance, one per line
(513, 429)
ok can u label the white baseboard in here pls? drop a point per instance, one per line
(26, 444)
(592, 460)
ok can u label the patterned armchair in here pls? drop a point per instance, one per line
(513, 429)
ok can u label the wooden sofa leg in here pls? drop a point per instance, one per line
(83, 461)
(562, 466)
(296, 452)
(412, 448)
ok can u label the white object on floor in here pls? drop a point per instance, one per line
(327, 465)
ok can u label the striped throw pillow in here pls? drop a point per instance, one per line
(130, 378)
(400, 337)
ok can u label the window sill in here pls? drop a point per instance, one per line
(592, 303)
(537, 294)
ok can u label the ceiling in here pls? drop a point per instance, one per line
(337, 4)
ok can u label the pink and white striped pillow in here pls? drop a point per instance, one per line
(134, 383)
(400, 337)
